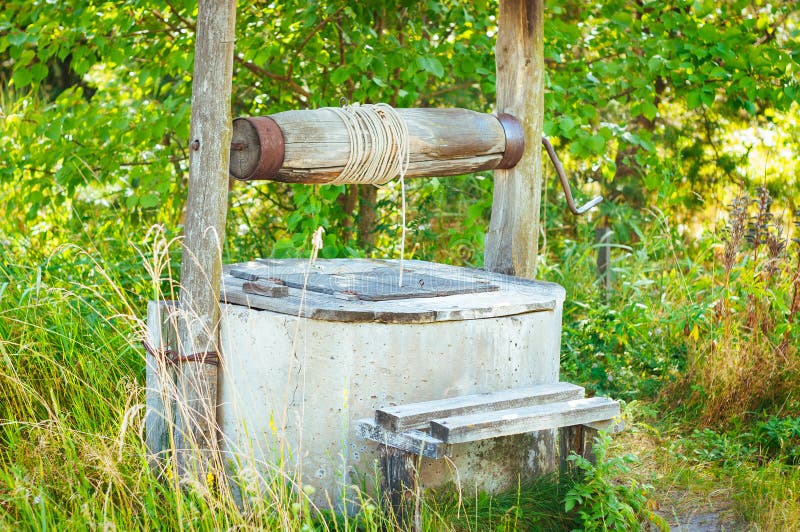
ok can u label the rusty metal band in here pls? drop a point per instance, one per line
(515, 141)
(271, 148)
(170, 356)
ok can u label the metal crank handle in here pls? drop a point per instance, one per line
(565, 182)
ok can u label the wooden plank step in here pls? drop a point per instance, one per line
(484, 425)
(418, 415)
(412, 441)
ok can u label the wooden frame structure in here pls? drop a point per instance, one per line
(511, 243)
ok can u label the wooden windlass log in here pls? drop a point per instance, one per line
(313, 146)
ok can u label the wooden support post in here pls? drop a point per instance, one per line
(400, 485)
(578, 439)
(162, 335)
(513, 237)
(512, 241)
(201, 266)
(602, 239)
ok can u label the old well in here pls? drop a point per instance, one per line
(309, 348)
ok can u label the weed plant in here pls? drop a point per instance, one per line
(602, 500)
(745, 359)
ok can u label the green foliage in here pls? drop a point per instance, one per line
(622, 78)
(709, 446)
(754, 459)
(743, 357)
(125, 71)
(601, 501)
(536, 504)
(625, 78)
(627, 340)
(773, 438)
(781, 438)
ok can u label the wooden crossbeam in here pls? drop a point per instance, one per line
(412, 441)
(418, 415)
(484, 425)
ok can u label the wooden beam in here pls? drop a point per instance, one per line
(162, 335)
(411, 441)
(201, 266)
(578, 439)
(512, 240)
(418, 415)
(485, 425)
(400, 487)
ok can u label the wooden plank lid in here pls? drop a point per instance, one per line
(365, 290)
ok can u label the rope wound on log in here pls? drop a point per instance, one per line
(366, 144)
(378, 139)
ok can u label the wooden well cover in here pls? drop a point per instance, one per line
(362, 290)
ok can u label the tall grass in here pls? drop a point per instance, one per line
(745, 358)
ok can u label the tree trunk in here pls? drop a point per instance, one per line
(367, 200)
(347, 201)
(201, 267)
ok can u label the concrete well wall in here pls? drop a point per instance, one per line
(291, 389)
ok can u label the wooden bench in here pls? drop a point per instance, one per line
(428, 428)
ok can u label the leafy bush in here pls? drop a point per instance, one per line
(780, 438)
(601, 501)
(726, 449)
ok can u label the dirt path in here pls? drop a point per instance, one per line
(690, 501)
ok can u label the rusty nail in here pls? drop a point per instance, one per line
(195, 145)
(238, 146)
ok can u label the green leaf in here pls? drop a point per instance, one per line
(654, 63)
(148, 200)
(436, 67)
(432, 65)
(596, 143)
(649, 110)
(17, 38)
(567, 127)
(22, 77)
(39, 72)
(707, 96)
(340, 75)
(693, 99)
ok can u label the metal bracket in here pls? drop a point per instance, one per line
(562, 176)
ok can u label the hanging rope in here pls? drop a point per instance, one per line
(379, 151)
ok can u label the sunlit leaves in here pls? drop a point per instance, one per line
(103, 89)
(666, 71)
